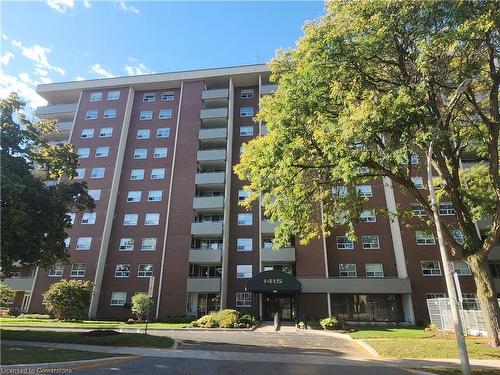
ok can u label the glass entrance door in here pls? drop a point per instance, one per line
(284, 305)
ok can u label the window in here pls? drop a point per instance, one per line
(97, 173)
(87, 133)
(157, 173)
(143, 134)
(130, 219)
(134, 196)
(146, 115)
(461, 268)
(113, 95)
(244, 219)
(148, 244)
(91, 115)
(165, 113)
(364, 191)
(446, 209)
(417, 209)
(118, 298)
(137, 174)
(122, 270)
(101, 152)
(145, 270)
(149, 98)
(126, 244)
(243, 299)
(425, 238)
(430, 268)
(72, 216)
(95, 194)
(374, 270)
(109, 113)
(83, 152)
(155, 195)
(244, 271)
(368, 216)
(339, 191)
(435, 295)
(343, 242)
(211, 244)
(96, 97)
(167, 96)
(244, 244)
(56, 271)
(370, 242)
(357, 145)
(363, 170)
(246, 131)
(140, 153)
(495, 270)
(77, 270)
(160, 152)
(163, 133)
(247, 94)
(418, 182)
(152, 219)
(242, 195)
(414, 159)
(88, 218)
(106, 132)
(458, 236)
(67, 242)
(80, 174)
(246, 111)
(347, 270)
(83, 243)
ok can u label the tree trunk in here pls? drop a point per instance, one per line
(487, 297)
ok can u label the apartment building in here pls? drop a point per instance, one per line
(157, 152)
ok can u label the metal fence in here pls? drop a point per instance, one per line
(470, 313)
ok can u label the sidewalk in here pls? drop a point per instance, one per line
(263, 357)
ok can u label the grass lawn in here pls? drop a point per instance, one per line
(389, 332)
(456, 371)
(122, 339)
(85, 323)
(15, 355)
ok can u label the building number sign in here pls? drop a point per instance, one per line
(273, 281)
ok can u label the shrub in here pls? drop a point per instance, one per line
(68, 299)
(195, 324)
(247, 319)
(34, 316)
(7, 295)
(301, 325)
(4, 312)
(141, 305)
(226, 318)
(130, 321)
(331, 323)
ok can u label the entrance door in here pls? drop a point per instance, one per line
(284, 305)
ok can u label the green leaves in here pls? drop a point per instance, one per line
(68, 299)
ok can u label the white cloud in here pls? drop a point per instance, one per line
(6, 57)
(61, 5)
(87, 4)
(100, 71)
(10, 84)
(127, 8)
(79, 78)
(25, 77)
(38, 54)
(3, 36)
(136, 68)
(40, 72)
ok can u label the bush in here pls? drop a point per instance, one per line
(195, 324)
(130, 321)
(141, 305)
(331, 323)
(301, 325)
(224, 319)
(68, 299)
(7, 295)
(33, 316)
(247, 319)
(4, 312)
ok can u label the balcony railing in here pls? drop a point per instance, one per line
(203, 285)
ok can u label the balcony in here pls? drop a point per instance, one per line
(285, 254)
(384, 285)
(205, 256)
(208, 203)
(268, 89)
(215, 94)
(203, 285)
(214, 158)
(63, 134)
(212, 229)
(268, 227)
(210, 179)
(63, 112)
(19, 283)
(213, 113)
(217, 134)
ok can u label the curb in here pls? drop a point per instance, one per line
(133, 330)
(367, 347)
(68, 363)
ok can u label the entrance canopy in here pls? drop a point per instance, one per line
(273, 281)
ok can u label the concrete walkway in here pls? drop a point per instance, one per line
(311, 359)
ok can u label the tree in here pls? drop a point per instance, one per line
(7, 295)
(34, 201)
(68, 299)
(367, 88)
(141, 305)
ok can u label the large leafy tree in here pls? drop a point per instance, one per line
(34, 197)
(369, 86)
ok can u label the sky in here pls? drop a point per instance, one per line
(67, 40)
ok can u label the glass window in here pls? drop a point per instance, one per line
(71, 216)
(80, 174)
(83, 152)
(364, 191)
(247, 94)
(140, 153)
(425, 238)
(97, 173)
(95, 194)
(152, 219)
(88, 218)
(245, 219)
(246, 131)
(110, 113)
(137, 174)
(374, 270)
(118, 298)
(339, 191)
(149, 98)
(122, 270)
(435, 295)
(244, 244)
(143, 134)
(96, 97)
(430, 268)
(163, 133)
(370, 241)
(130, 219)
(167, 96)
(160, 152)
(113, 95)
(83, 243)
(418, 182)
(155, 195)
(146, 115)
(157, 173)
(106, 132)
(246, 111)
(243, 299)
(127, 244)
(145, 270)
(134, 196)
(414, 159)
(165, 113)
(87, 133)
(244, 271)
(343, 242)
(148, 244)
(461, 268)
(347, 270)
(91, 115)
(101, 152)
(417, 209)
(56, 271)
(458, 236)
(368, 216)
(446, 209)
(77, 270)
